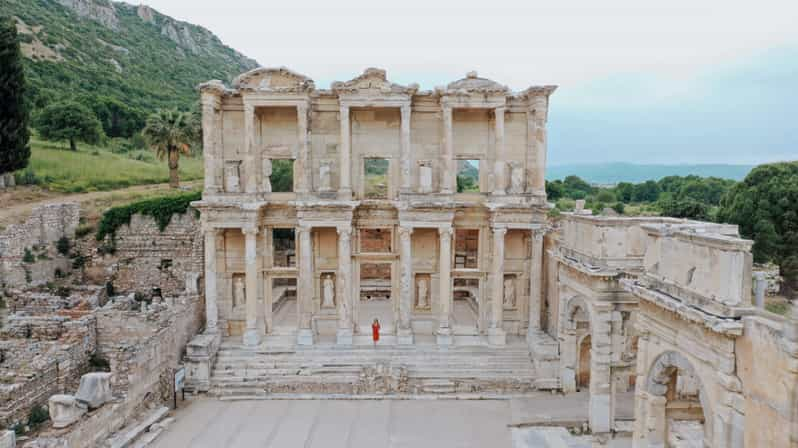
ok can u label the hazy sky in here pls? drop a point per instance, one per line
(686, 81)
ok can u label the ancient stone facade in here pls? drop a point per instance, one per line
(374, 208)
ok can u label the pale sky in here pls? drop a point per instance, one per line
(682, 81)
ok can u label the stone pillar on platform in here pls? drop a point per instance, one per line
(344, 304)
(500, 164)
(252, 336)
(496, 333)
(345, 154)
(404, 332)
(535, 282)
(444, 332)
(406, 157)
(305, 335)
(303, 180)
(211, 307)
(448, 170)
(249, 166)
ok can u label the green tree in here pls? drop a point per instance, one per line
(648, 191)
(684, 208)
(14, 136)
(624, 191)
(170, 133)
(117, 119)
(69, 121)
(765, 207)
(576, 187)
(554, 190)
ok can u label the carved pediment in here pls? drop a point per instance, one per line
(373, 81)
(474, 84)
(278, 79)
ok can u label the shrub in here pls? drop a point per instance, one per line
(619, 207)
(82, 231)
(62, 245)
(28, 256)
(38, 415)
(63, 292)
(108, 247)
(26, 177)
(161, 209)
(78, 261)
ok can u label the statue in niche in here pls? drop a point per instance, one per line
(425, 178)
(267, 173)
(509, 293)
(325, 172)
(516, 178)
(328, 292)
(232, 179)
(423, 293)
(239, 291)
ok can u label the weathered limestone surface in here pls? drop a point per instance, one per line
(7, 439)
(65, 410)
(94, 389)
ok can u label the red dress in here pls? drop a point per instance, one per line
(375, 331)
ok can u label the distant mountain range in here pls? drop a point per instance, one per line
(614, 172)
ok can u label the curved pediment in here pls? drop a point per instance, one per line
(372, 81)
(474, 84)
(278, 79)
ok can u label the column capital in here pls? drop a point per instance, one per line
(302, 108)
(249, 230)
(405, 231)
(209, 228)
(344, 232)
(499, 110)
(499, 231)
(445, 231)
(304, 228)
(344, 110)
(405, 110)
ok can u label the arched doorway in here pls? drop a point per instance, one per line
(678, 404)
(583, 364)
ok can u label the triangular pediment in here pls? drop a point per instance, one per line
(474, 84)
(278, 79)
(373, 81)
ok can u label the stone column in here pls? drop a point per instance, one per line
(211, 154)
(305, 288)
(345, 155)
(406, 156)
(404, 331)
(303, 180)
(250, 168)
(601, 409)
(251, 335)
(536, 123)
(535, 283)
(444, 333)
(344, 287)
(211, 308)
(496, 334)
(448, 171)
(500, 163)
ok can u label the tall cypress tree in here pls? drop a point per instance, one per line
(14, 134)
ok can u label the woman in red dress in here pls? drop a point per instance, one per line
(375, 331)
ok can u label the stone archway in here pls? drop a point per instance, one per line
(575, 329)
(677, 403)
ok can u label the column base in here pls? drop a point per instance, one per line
(497, 336)
(404, 336)
(252, 337)
(344, 336)
(305, 336)
(345, 195)
(444, 336)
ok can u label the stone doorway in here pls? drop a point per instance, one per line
(376, 297)
(285, 311)
(583, 365)
(467, 295)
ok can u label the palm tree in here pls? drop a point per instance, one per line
(169, 133)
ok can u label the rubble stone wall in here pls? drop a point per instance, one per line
(148, 257)
(51, 361)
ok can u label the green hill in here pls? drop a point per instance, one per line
(130, 54)
(612, 173)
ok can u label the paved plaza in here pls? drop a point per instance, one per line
(340, 423)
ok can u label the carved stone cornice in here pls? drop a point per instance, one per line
(473, 84)
(274, 79)
(373, 82)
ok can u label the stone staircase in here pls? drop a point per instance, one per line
(362, 371)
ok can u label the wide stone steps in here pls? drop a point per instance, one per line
(318, 371)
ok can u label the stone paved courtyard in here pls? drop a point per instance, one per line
(339, 423)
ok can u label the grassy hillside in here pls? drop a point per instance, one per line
(131, 54)
(612, 173)
(54, 167)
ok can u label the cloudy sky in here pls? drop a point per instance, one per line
(684, 81)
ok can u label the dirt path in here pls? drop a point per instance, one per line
(17, 203)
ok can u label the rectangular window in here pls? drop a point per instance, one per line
(375, 240)
(468, 176)
(282, 177)
(466, 248)
(284, 247)
(375, 178)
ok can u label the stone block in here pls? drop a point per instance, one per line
(8, 439)
(95, 389)
(305, 337)
(344, 336)
(65, 410)
(497, 336)
(404, 336)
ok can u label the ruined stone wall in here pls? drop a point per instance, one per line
(147, 257)
(145, 348)
(38, 233)
(769, 379)
(47, 361)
